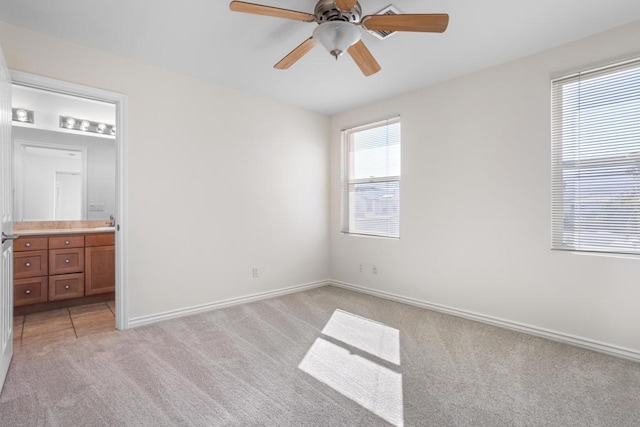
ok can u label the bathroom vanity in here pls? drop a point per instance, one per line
(63, 267)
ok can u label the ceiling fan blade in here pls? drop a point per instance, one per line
(296, 54)
(428, 23)
(363, 58)
(258, 9)
(345, 5)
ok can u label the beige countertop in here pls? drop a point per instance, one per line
(64, 231)
(39, 228)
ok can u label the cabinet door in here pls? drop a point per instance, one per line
(100, 270)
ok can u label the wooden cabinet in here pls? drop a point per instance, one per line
(100, 270)
(54, 268)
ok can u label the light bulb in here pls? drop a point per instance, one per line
(22, 115)
(101, 128)
(70, 122)
(84, 125)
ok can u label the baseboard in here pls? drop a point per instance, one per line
(586, 343)
(582, 342)
(174, 314)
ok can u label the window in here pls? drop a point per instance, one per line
(371, 174)
(596, 160)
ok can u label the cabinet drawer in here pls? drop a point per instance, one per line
(103, 239)
(66, 286)
(29, 243)
(29, 264)
(62, 261)
(29, 291)
(63, 242)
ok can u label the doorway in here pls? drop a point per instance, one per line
(66, 183)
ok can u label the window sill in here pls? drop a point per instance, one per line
(373, 236)
(598, 254)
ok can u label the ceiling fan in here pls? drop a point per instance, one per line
(338, 28)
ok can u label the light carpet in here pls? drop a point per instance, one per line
(323, 357)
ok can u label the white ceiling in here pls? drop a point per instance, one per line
(203, 38)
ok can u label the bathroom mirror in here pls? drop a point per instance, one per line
(50, 182)
(62, 172)
(67, 177)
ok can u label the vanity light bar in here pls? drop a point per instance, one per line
(68, 122)
(22, 115)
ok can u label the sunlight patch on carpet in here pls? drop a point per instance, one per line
(358, 377)
(373, 337)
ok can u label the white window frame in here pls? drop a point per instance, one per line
(601, 211)
(348, 221)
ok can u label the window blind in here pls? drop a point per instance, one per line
(596, 160)
(371, 179)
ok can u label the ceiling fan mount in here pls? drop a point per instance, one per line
(339, 23)
(326, 10)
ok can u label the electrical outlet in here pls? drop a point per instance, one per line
(374, 270)
(360, 269)
(255, 273)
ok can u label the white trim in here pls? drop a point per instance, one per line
(577, 341)
(120, 100)
(182, 312)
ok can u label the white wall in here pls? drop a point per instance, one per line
(475, 203)
(101, 165)
(219, 181)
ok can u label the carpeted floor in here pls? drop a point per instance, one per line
(324, 357)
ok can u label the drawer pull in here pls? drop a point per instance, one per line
(67, 261)
(66, 286)
(27, 264)
(28, 244)
(28, 291)
(66, 242)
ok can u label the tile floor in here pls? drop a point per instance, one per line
(63, 324)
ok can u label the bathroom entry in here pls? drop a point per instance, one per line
(65, 208)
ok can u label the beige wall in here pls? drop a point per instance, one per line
(475, 204)
(219, 181)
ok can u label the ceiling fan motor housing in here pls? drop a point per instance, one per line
(327, 11)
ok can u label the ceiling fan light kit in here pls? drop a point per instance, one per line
(337, 36)
(338, 30)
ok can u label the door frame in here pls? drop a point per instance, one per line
(120, 101)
